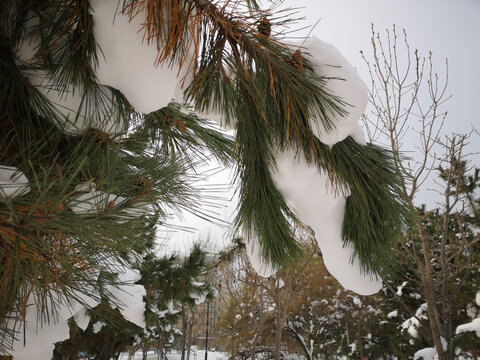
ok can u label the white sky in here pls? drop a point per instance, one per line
(449, 28)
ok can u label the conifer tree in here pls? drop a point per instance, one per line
(81, 165)
(172, 283)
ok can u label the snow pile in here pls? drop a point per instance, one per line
(310, 192)
(316, 204)
(344, 82)
(413, 323)
(471, 326)
(74, 110)
(392, 314)
(130, 296)
(170, 308)
(415, 295)
(82, 319)
(95, 202)
(98, 326)
(426, 354)
(356, 300)
(400, 288)
(127, 60)
(40, 337)
(13, 183)
(259, 263)
(280, 283)
(199, 298)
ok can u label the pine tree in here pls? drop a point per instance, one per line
(84, 170)
(172, 284)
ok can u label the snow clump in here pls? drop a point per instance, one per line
(129, 65)
(426, 354)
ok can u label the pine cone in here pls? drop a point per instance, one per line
(169, 121)
(297, 60)
(264, 27)
(101, 137)
(181, 125)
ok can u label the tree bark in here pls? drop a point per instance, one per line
(131, 352)
(447, 317)
(183, 339)
(189, 337)
(278, 334)
(160, 346)
(259, 329)
(347, 336)
(279, 323)
(429, 293)
(359, 339)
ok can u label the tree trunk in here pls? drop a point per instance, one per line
(447, 317)
(259, 330)
(160, 346)
(347, 336)
(144, 354)
(429, 293)
(254, 347)
(279, 323)
(189, 337)
(359, 339)
(183, 339)
(278, 335)
(131, 353)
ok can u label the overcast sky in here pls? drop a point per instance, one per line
(448, 28)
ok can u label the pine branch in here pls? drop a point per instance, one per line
(376, 213)
(280, 94)
(183, 134)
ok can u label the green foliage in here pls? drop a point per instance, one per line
(376, 213)
(186, 135)
(172, 283)
(51, 253)
(114, 337)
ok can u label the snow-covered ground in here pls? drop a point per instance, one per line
(194, 355)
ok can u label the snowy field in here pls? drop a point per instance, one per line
(194, 355)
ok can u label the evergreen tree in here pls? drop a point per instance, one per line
(172, 285)
(81, 165)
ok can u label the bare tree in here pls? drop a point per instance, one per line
(407, 98)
